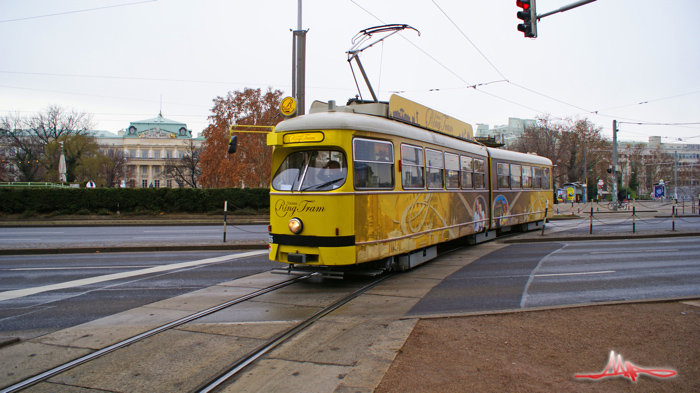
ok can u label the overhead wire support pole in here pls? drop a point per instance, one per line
(565, 8)
(299, 64)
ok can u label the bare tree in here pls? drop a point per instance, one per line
(568, 144)
(76, 149)
(114, 168)
(27, 137)
(185, 171)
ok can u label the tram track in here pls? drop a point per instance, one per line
(126, 342)
(241, 364)
(229, 372)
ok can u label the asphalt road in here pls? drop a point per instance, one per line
(121, 235)
(552, 274)
(623, 224)
(41, 294)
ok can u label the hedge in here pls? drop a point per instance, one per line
(131, 200)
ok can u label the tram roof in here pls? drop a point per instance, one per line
(508, 155)
(377, 124)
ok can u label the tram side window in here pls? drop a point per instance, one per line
(435, 165)
(503, 175)
(451, 171)
(479, 169)
(373, 164)
(412, 169)
(527, 176)
(545, 179)
(515, 173)
(537, 171)
(467, 169)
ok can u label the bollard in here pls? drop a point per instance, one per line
(673, 218)
(225, 208)
(590, 231)
(544, 221)
(634, 228)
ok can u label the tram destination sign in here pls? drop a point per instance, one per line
(414, 113)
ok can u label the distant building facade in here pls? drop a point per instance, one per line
(505, 134)
(677, 164)
(147, 145)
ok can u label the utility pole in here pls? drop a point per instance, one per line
(299, 64)
(675, 175)
(584, 192)
(614, 165)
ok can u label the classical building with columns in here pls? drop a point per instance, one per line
(147, 145)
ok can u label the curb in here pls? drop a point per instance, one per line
(89, 250)
(546, 239)
(39, 224)
(557, 307)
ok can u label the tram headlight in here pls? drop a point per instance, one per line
(295, 226)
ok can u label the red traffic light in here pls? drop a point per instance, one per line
(529, 17)
(524, 4)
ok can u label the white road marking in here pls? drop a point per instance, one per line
(633, 251)
(573, 274)
(198, 231)
(117, 276)
(32, 232)
(76, 268)
(176, 237)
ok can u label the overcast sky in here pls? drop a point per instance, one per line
(636, 61)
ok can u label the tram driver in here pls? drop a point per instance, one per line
(331, 173)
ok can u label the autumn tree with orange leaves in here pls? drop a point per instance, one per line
(251, 164)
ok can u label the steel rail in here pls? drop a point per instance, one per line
(265, 348)
(84, 359)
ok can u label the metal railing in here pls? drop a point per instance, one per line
(16, 184)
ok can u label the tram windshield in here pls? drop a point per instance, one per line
(311, 170)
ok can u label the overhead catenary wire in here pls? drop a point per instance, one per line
(508, 81)
(500, 93)
(76, 11)
(470, 41)
(652, 100)
(470, 85)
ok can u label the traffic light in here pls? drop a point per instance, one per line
(233, 144)
(529, 17)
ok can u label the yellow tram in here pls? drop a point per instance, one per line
(382, 184)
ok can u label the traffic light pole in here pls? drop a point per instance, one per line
(529, 16)
(614, 165)
(565, 8)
